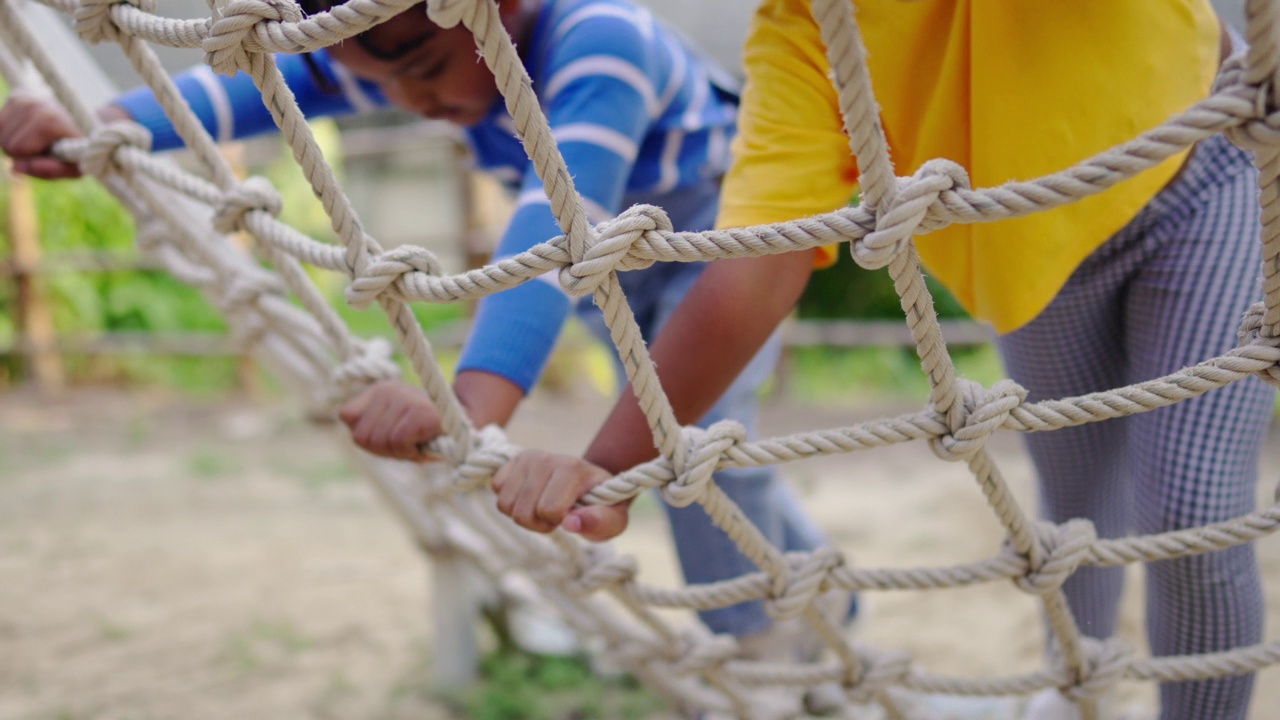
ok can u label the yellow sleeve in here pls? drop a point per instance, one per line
(791, 157)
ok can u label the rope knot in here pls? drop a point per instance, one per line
(907, 210)
(1255, 333)
(243, 290)
(1259, 133)
(383, 272)
(448, 13)
(153, 239)
(370, 363)
(705, 449)
(699, 654)
(224, 48)
(151, 236)
(611, 244)
(93, 21)
(1063, 549)
(799, 588)
(983, 411)
(1105, 664)
(99, 158)
(255, 193)
(603, 568)
(489, 451)
(238, 301)
(881, 670)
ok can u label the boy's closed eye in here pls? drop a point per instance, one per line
(429, 70)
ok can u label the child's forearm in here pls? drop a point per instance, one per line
(725, 319)
(231, 108)
(113, 113)
(488, 398)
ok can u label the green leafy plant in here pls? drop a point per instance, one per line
(846, 290)
(78, 217)
(516, 685)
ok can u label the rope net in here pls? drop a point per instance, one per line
(185, 219)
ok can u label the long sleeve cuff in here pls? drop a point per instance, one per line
(146, 111)
(515, 331)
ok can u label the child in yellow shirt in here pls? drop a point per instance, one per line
(1136, 282)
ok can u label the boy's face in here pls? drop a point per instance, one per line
(422, 67)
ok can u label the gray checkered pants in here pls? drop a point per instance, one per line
(1167, 291)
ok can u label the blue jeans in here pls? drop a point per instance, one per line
(705, 552)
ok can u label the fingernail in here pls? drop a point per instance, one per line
(572, 524)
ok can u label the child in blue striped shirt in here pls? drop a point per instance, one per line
(640, 116)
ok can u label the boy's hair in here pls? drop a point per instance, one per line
(364, 39)
(311, 7)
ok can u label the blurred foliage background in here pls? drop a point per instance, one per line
(75, 217)
(79, 216)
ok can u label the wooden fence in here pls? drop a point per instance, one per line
(41, 350)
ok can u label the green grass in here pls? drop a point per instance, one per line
(263, 643)
(515, 685)
(211, 463)
(832, 376)
(315, 475)
(113, 631)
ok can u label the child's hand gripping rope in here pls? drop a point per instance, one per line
(538, 490)
(29, 127)
(393, 419)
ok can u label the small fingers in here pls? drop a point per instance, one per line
(416, 428)
(29, 127)
(539, 491)
(353, 409)
(373, 425)
(47, 168)
(520, 485)
(507, 482)
(542, 504)
(598, 523)
(381, 427)
(392, 419)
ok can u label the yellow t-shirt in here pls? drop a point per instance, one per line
(1010, 89)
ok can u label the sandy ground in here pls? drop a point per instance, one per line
(162, 558)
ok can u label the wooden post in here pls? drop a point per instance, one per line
(37, 342)
(247, 377)
(455, 607)
(455, 616)
(477, 243)
(486, 209)
(455, 599)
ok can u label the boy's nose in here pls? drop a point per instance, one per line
(428, 105)
(416, 99)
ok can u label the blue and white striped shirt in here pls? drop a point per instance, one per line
(637, 112)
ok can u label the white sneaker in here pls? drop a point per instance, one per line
(540, 629)
(793, 640)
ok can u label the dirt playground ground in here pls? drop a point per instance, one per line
(164, 558)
